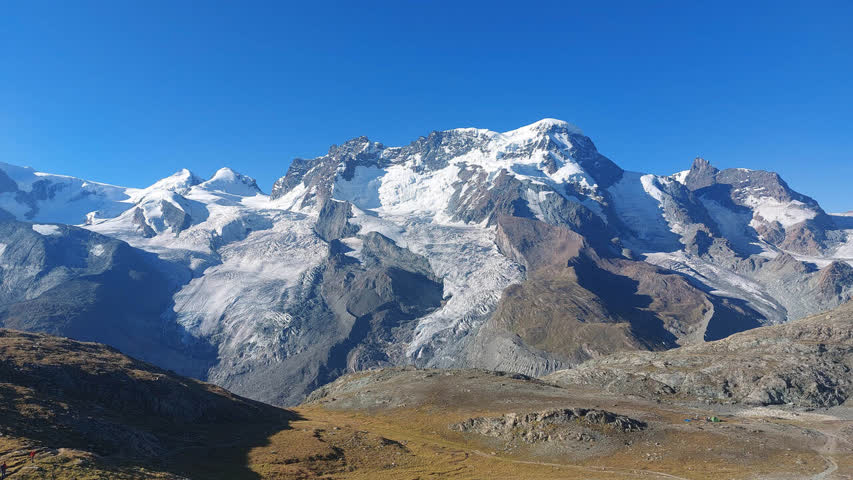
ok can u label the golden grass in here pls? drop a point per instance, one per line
(416, 444)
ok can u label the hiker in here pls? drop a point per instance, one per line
(3, 471)
(32, 456)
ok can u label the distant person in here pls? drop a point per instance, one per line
(32, 456)
(3, 471)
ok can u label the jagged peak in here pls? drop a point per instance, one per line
(701, 174)
(700, 163)
(465, 131)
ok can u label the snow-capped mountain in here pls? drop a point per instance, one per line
(41, 197)
(525, 250)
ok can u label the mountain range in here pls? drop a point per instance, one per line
(525, 251)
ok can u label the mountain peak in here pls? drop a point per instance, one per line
(225, 173)
(700, 163)
(701, 174)
(178, 182)
(547, 125)
(229, 181)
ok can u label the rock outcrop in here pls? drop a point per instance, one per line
(564, 424)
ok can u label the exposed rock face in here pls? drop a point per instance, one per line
(831, 280)
(382, 295)
(317, 176)
(332, 221)
(807, 362)
(764, 197)
(702, 174)
(141, 224)
(72, 282)
(547, 426)
(575, 305)
(807, 237)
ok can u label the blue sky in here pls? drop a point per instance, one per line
(127, 92)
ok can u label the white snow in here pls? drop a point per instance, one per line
(544, 124)
(292, 200)
(786, 213)
(238, 300)
(355, 244)
(226, 180)
(180, 182)
(243, 250)
(467, 260)
(71, 201)
(97, 250)
(845, 249)
(723, 281)
(405, 188)
(681, 176)
(637, 201)
(650, 185)
(534, 202)
(733, 225)
(2, 248)
(46, 230)
(363, 189)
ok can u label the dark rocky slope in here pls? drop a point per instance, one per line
(808, 362)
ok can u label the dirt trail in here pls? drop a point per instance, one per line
(833, 446)
(830, 469)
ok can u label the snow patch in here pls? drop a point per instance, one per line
(363, 189)
(46, 230)
(723, 282)
(733, 225)
(786, 213)
(354, 244)
(637, 201)
(681, 176)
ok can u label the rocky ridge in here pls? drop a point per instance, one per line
(806, 363)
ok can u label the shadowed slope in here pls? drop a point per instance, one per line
(89, 410)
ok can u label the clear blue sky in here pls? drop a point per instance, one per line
(127, 92)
